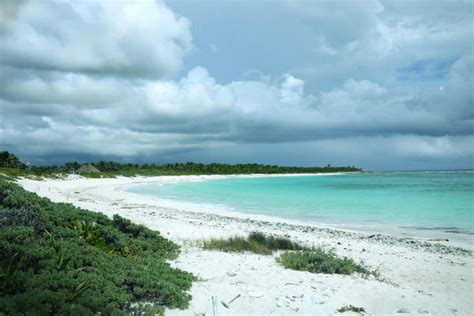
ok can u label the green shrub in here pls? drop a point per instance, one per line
(59, 259)
(319, 260)
(351, 308)
(256, 242)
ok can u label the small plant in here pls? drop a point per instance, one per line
(61, 260)
(351, 308)
(256, 242)
(319, 260)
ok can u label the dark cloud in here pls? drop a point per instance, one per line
(97, 80)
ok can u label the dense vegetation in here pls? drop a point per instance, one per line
(213, 168)
(8, 160)
(110, 168)
(255, 242)
(59, 259)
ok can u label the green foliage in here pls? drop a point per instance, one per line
(32, 173)
(58, 259)
(319, 260)
(255, 242)
(8, 160)
(113, 168)
(351, 308)
(11, 166)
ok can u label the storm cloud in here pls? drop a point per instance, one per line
(376, 83)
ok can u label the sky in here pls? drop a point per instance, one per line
(379, 84)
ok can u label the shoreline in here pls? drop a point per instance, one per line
(463, 240)
(275, 223)
(430, 276)
(119, 187)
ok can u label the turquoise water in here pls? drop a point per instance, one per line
(440, 201)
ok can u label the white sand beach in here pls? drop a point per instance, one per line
(425, 277)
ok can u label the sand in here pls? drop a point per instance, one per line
(424, 277)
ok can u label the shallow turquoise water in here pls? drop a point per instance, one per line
(414, 200)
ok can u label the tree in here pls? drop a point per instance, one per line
(8, 160)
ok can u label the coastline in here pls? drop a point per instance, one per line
(454, 239)
(431, 276)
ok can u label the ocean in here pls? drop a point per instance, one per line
(422, 203)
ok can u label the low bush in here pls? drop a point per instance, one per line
(351, 308)
(319, 260)
(59, 259)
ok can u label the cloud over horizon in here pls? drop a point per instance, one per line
(114, 80)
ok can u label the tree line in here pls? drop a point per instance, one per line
(8, 160)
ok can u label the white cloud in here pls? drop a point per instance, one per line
(140, 38)
(292, 90)
(197, 94)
